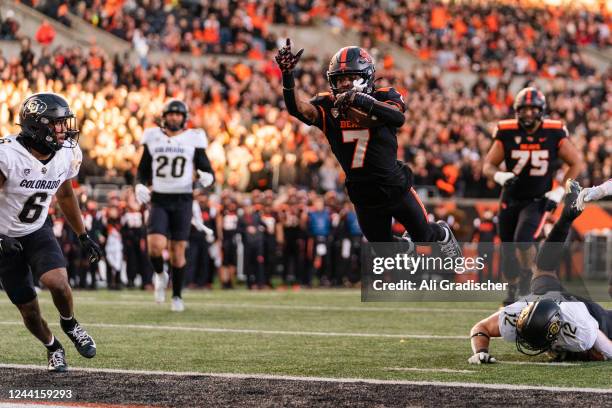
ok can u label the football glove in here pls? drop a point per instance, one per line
(91, 248)
(9, 247)
(482, 358)
(143, 195)
(555, 195)
(589, 194)
(285, 59)
(205, 178)
(503, 177)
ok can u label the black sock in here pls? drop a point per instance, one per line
(439, 231)
(549, 257)
(177, 280)
(55, 345)
(68, 324)
(158, 264)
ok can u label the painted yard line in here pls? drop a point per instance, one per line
(255, 331)
(280, 307)
(538, 363)
(430, 370)
(324, 379)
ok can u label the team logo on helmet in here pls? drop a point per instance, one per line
(363, 54)
(35, 107)
(553, 329)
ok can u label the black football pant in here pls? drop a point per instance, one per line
(401, 204)
(519, 222)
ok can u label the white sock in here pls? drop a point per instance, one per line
(52, 341)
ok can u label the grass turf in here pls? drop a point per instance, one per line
(335, 311)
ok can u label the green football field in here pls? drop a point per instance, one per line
(316, 333)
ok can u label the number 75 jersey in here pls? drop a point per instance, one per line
(173, 158)
(533, 157)
(30, 185)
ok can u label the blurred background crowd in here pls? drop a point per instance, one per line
(265, 162)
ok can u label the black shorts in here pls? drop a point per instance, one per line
(170, 216)
(41, 253)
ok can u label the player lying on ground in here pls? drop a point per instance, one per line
(35, 165)
(171, 154)
(557, 322)
(360, 123)
(529, 147)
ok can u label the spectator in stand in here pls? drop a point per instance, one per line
(45, 33)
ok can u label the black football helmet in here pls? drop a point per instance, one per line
(351, 61)
(174, 106)
(37, 118)
(538, 326)
(529, 97)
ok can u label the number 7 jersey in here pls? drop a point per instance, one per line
(29, 186)
(173, 158)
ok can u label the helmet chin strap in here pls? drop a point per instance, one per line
(40, 147)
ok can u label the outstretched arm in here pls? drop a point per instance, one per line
(296, 107)
(480, 336)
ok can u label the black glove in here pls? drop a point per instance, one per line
(344, 101)
(285, 59)
(93, 249)
(9, 247)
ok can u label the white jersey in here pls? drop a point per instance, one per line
(173, 158)
(30, 185)
(578, 329)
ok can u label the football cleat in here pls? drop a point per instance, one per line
(57, 360)
(160, 281)
(177, 304)
(450, 248)
(83, 342)
(572, 190)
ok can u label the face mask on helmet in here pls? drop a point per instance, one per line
(47, 123)
(172, 124)
(351, 61)
(529, 107)
(538, 327)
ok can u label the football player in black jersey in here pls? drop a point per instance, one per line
(378, 184)
(531, 148)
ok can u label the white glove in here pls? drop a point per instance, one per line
(205, 178)
(359, 85)
(482, 358)
(143, 195)
(589, 194)
(502, 177)
(555, 195)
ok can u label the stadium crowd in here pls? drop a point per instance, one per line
(492, 37)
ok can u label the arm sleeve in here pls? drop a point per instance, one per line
(145, 170)
(5, 165)
(200, 159)
(607, 188)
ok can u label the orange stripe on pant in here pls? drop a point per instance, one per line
(416, 197)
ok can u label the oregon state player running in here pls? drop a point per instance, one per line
(530, 147)
(171, 153)
(378, 184)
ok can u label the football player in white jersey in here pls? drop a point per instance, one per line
(35, 165)
(566, 326)
(171, 154)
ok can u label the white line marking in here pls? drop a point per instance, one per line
(324, 379)
(256, 331)
(430, 370)
(282, 307)
(538, 363)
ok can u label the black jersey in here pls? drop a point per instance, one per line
(533, 157)
(366, 155)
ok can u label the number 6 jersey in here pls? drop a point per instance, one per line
(30, 185)
(173, 158)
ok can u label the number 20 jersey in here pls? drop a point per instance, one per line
(173, 158)
(531, 156)
(30, 185)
